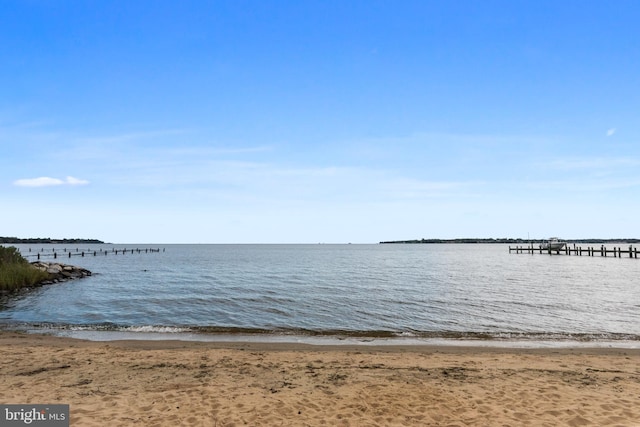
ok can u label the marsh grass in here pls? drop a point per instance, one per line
(16, 272)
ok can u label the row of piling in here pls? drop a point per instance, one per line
(617, 252)
(88, 252)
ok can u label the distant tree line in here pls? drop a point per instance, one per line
(510, 240)
(15, 240)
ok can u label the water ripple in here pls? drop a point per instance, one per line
(419, 290)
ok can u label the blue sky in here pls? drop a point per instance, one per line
(319, 121)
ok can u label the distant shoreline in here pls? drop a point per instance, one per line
(508, 240)
(512, 241)
(17, 240)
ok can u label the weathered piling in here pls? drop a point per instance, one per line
(88, 252)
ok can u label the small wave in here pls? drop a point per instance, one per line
(479, 336)
(152, 328)
(98, 327)
(299, 332)
(448, 335)
(110, 327)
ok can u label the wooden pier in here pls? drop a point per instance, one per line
(68, 253)
(615, 252)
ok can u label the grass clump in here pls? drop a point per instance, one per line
(16, 272)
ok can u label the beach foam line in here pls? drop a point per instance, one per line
(110, 331)
(94, 335)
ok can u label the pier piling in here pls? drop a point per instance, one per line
(68, 253)
(589, 251)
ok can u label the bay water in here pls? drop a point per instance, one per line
(394, 292)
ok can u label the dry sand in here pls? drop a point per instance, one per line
(172, 383)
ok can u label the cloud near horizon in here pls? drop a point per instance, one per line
(45, 181)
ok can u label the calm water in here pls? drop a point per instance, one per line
(420, 291)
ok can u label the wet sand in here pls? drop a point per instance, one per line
(170, 383)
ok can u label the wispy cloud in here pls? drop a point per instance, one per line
(590, 185)
(45, 181)
(411, 188)
(75, 181)
(589, 174)
(130, 136)
(593, 163)
(611, 131)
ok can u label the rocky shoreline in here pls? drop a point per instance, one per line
(59, 272)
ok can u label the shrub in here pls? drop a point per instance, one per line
(10, 255)
(16, 272)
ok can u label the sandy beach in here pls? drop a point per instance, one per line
(170, 383)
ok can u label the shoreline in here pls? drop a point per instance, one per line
(168, 383)
(111, 333)
(332, 340)
(161, 342)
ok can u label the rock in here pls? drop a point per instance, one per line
(60, 272)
